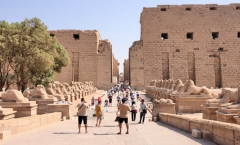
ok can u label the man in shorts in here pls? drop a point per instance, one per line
(98, 110)
(82, 114)
(123, 109)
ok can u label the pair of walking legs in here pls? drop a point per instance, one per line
(133, 115)
(142, 117)
(80, 119)
(99, 120)
(120, 125)
(120, 128)
(79, 127)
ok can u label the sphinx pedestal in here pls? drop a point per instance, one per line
(237, 118)
(173, 98)
(42, 105)
(209, 112)
(67, 98)
(226, 115)
(163, 108)
(23, 109)
(190, 103)
(64, 108)
(7, 113)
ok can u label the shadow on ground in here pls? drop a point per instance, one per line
(182, 132)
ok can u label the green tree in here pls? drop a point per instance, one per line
(8, 41)
(35, 55)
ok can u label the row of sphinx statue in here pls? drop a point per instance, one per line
(227, 98)
(167, 88)
(56, 90)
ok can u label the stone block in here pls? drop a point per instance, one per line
(207, 135)
(225, 116)
(196, 133)
(195, 124)
(222, 141)
(206, 125)
(237, 136)
(177, 122)
(5, 134)
(190, 103)
(186, 125)
(209, 112)
(34, 125)
(22, 109)
(42, 105)
(163, 108)
(7, 113)
(63, 108)
(163, 118)
(34, 118)
(223, 130)
(23, 128)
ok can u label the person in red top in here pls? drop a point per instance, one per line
(99, 99)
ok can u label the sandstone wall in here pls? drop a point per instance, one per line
(198, 42)
(126, 69)
(87, 57)
(136, 65)
(104, 75)
(217, 132)
(115, 68)
(18, 125)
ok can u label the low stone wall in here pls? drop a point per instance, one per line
(218, 132)
(63, 108)
(163, 108)
(18, 125)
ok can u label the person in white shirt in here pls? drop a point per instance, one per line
(133, 98)
(82, 114)
(134, 111)
(143, 111)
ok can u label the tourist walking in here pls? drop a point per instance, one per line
(138, 96)
(127, 101)
(98, 110)
(133, 97)
(143, 111)
(118, 98)
(112, 92)
(99, 99)
(82, 114)
(106, 105)
(123, 109)
(110, 99)
(134, 111)
(92, 101)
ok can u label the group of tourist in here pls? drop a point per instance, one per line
(126, 102)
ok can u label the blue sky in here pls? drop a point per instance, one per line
(116, 20)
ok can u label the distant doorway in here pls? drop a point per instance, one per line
(75, 66)
(165, 65)
(191, 66)
(217, 72)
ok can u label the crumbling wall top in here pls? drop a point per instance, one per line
(136, 45)
(166, 7)
(75, 31)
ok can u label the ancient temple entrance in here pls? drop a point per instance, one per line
(165, 65)
(217, 72)
(191, 66)
(75, 66)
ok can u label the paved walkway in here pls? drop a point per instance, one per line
(65, 133)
